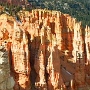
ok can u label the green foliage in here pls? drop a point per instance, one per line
(11, 9)
(79, 9)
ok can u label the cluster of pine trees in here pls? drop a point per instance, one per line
(79, 9)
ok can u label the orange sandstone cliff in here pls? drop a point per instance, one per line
(47, 50)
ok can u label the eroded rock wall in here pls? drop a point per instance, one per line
(47, 50)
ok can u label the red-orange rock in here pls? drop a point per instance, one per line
(47, 49)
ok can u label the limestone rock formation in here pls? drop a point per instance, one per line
(20, 58)
(47, 50)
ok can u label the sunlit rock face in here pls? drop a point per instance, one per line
(20, 58)
(47, 50)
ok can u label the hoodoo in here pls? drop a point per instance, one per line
(45, 50)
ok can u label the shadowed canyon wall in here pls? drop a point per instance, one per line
(47, 50)
(6, 80)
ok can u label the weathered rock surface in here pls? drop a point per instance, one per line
(6, 81)
(47, 50)
(14, 2)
